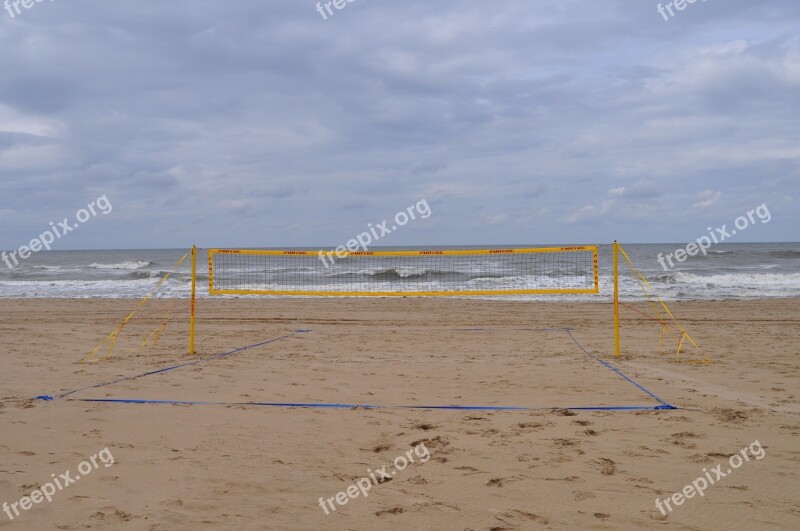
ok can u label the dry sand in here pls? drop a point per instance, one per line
(255, 467)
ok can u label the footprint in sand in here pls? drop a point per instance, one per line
(469, 469)
(565, 413)
(434, 443)
(394, 510)
(381, 447)
(499, 482)
(120, 515)
(735, 416)
(518, 519)
(565, 443)
(682, 439)
(607, 466)
(439, 505)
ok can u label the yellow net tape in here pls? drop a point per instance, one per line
(111, 339)
(155, 335)
(644, 284)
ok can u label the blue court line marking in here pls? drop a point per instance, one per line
(662, 404)
(484, 329)
(172, 368)
(596, 358)
(619, 372)
(365, 406)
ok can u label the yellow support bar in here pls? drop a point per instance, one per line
(616, 299)
(192, 313)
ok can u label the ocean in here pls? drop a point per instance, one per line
(728, 272)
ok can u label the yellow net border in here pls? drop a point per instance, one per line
(215, 290)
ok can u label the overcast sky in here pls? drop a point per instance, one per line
(260, 123)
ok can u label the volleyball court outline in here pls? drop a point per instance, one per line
(660, 405)
(664, 320)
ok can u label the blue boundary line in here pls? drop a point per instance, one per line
(172, 368)
(664, 404)
(321, 405)
(619, 372)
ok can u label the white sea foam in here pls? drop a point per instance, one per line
(80, 289)
(127, 266)
(774, 280)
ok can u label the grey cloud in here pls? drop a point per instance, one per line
(263, 112)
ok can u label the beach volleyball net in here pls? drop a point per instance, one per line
(456, 272)
(409, 273)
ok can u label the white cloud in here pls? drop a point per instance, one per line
(588, 212)
(706, 199)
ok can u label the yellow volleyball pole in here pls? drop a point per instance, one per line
(194, 285)
(616, 299)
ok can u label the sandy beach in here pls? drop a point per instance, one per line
(260, 467)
